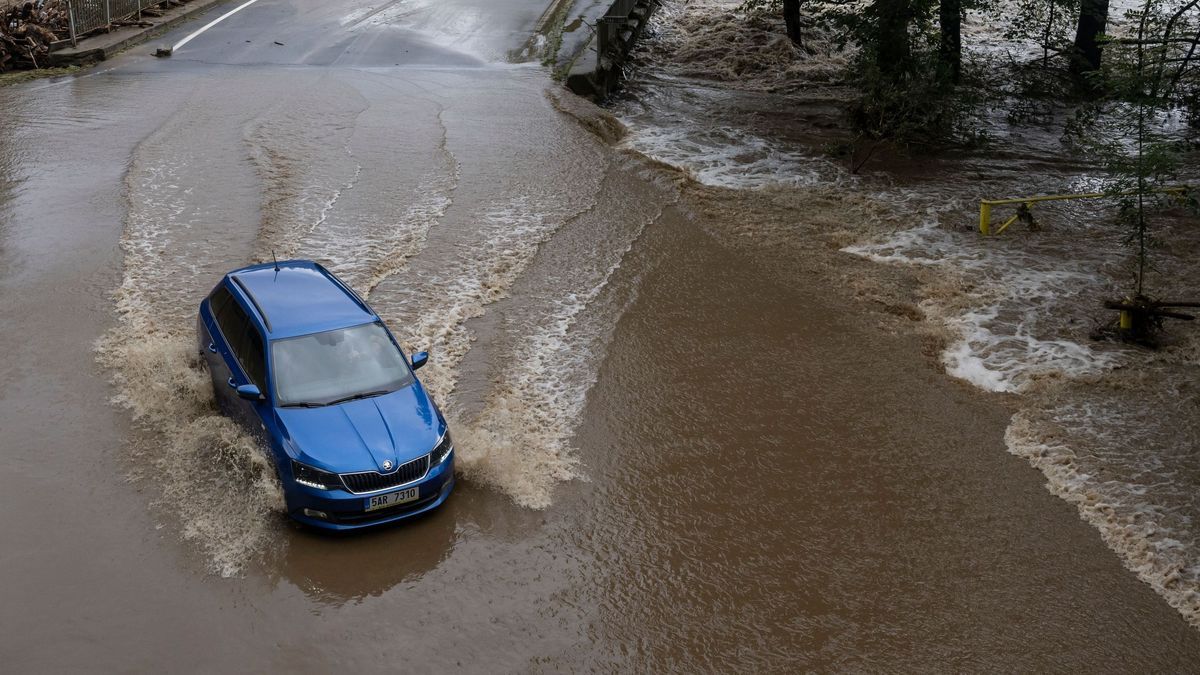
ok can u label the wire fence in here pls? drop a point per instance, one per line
(90, 15)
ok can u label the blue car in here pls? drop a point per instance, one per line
(301, 361)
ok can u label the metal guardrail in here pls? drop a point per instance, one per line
(89, 15)
(611, 23)
(621, 8)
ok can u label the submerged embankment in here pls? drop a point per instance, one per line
(749, 120)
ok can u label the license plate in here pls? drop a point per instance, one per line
(392, 498)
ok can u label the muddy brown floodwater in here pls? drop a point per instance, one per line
(815, 494)
(689, 439)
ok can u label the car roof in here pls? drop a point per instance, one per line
(298, 297)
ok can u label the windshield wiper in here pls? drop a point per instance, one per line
(304, 404)
(355, 397)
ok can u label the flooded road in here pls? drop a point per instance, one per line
(681, 448)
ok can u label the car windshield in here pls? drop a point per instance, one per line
(337, 365)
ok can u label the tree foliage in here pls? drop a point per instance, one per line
(1049, 25)
(909, 53)
(1149, 78)
(1134, 79)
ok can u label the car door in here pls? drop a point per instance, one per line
(213, 344)
(252, 370)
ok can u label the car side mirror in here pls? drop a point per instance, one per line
(419, 359)
(250, 392)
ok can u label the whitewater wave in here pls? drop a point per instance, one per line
(713, 40)
(1099, 455)
(726, 156)
(1001, 304)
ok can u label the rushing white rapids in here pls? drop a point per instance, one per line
(1002, 300)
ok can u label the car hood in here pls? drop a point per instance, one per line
(365, 434)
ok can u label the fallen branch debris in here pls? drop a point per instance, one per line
(28, 30)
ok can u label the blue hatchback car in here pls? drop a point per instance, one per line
(301, 361)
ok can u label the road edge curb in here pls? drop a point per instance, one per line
(83, 55)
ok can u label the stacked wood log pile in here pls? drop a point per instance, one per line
(27, 31)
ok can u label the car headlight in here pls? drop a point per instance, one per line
(314, 478)
(442, 450)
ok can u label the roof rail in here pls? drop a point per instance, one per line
(253, 301)
(342, 285)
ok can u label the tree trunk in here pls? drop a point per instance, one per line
(950, 46)
(893, 48)
(791, 16)
(1093, 17)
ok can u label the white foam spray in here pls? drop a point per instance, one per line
(522, 437)
(206, 472)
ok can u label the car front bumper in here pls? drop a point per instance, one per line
(344, 511)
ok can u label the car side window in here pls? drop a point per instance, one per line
(219, 301)
(251, 357)
(233, 322)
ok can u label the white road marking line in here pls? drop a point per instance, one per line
(212, 23)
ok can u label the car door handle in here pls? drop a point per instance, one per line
(212, 347)
(231, 384)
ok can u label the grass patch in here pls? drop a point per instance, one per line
(19, 76)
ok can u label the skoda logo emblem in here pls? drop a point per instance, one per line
(387, 465)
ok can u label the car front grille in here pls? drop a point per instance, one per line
(373, 481)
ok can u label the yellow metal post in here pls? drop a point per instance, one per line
(1008, 222)
(985, 218)
(1126, 320)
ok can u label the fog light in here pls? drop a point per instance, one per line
(312, 513)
